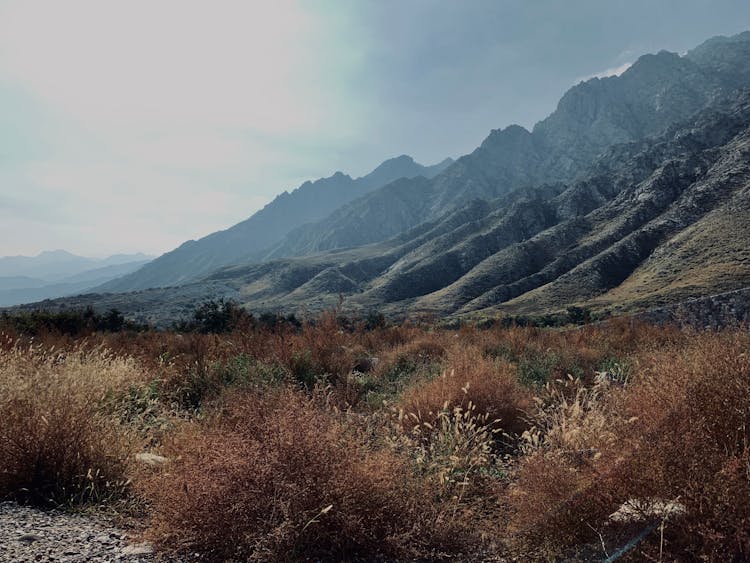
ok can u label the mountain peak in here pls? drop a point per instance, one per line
(401, 161)
(59, 253)
(510, 134)
(660, 58)
(717, 40)
(654, 94)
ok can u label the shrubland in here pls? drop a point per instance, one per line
(287, 439)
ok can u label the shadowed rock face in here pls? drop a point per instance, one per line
(643, 212)
(246, 241)
(633, 194)
(656, 92)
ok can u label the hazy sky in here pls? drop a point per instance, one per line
(136, 125)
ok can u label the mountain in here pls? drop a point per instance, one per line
(247, 240)
(20, 282)
(656, 221)
(338, 212)
(654, 93)
(54, 265)
(535, 222)
(59, 273)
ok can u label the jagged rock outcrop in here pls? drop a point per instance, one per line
(246, 241)
(538, 221)
(620, 238)
(654, 93)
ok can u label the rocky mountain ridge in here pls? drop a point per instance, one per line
(537, 222)
(656, 222)
(654, 93)
(248, 240)
(623, 237)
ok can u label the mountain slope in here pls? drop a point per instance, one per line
(647, 207)
(655, 92)
(655, 219)
(245, 241)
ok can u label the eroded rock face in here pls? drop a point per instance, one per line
(550, 247)
(712, 312)
(655, 93)
(536, 221)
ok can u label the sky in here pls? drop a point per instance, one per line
(133, 126)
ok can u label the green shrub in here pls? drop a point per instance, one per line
(536, 369)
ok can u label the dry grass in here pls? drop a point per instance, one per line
(423, 442)
(274, 475)
(489, 386)
(691, 441)
(678, 433)
(60, 442)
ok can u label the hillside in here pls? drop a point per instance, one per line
(535, 222)
(654, 93)
(657, 221)
(247, 240)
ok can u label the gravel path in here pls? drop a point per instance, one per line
(29, 534)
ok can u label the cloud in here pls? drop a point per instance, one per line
(164, 120)
(613, 71)
(138, 124)
(168, 62)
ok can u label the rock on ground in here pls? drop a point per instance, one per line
(30, 534)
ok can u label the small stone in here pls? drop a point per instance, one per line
(151, 459)
(138, 549)
(29, 538)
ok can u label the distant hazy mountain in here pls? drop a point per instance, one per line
(247, 240)
(20, 282)
(54, 265)
(635, 193)
(58, 273)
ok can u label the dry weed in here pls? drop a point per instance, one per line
(60, 441)
(274, 475)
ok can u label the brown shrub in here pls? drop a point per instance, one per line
(561, 489)
(491, 386)
(259, 475)
(554, 504)
(274, 476)
(690, 442)
(410, 357)
(58, 442)
(678, 433)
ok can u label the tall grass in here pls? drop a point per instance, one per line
(275, 476)
(490, 386)
(330, 440)
(677, 434)
(60, 444)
